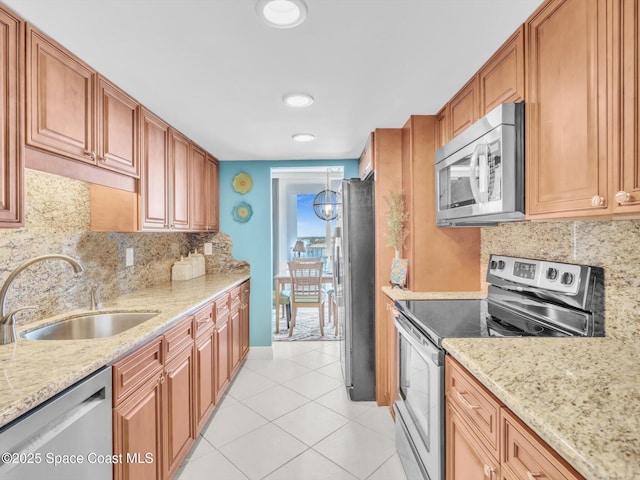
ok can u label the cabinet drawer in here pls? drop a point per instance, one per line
(135, 369)
(203, 320)
(234, 298)
(475, 402)
(527, 456)
(176, 339)
(221, 306)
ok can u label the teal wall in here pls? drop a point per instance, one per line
(252, 240)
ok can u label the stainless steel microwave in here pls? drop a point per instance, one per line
(480, 172)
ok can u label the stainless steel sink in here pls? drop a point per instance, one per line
(89, 326)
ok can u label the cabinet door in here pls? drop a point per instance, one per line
(465, 457)
(117, 129)
(442, 127)
(60, 100)
(626, 171)
(205, 378)
(244, 318)
(137, 433)
(501, 79)
(463, 108)
(212, 194)
(567, 109)
(524, 455)
(179, 179)
(198, 210)
(392, 355)
(222, 346)
(154, 181)
(179, 417)
(236, 340)
(11, 94)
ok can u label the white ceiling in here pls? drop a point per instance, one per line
(214, 71)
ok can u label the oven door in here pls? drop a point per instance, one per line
(420, 408)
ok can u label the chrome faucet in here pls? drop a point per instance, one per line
(7, 321)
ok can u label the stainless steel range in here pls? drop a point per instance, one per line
(525, 298)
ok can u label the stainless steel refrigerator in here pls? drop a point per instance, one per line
(354, 271)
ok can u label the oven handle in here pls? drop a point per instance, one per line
(427, 350)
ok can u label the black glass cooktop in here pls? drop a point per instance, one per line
(440, 319)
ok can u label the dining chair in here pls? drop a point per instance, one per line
(306, 289)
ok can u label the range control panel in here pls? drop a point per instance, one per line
(553, 276)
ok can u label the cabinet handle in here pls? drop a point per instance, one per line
(466, 403)
(160, 379)
(622, 197)
(532, 476)
(597, 201)
(489, 471)
(91, 155)
(103, 160)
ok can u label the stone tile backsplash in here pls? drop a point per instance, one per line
(613, 245)
(57, 221)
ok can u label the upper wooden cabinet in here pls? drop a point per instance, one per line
(626, 170)
(442, 128)
(154, 181)
(501, 79)
(73, 112)
(117, 141)
(212, 194)
(179, 173)
(463, 108)
(198, 213)
(11, 138)
(60, 100)
(567, 108)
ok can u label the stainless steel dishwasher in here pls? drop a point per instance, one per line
(67, 437)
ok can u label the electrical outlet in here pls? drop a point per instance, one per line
(208, 248)
(129, 257)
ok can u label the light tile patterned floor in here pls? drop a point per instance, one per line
(287, 417)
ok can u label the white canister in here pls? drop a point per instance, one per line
(182, 270)
(197, 260)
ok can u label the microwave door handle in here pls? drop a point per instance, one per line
(473, 163)
(483, 178)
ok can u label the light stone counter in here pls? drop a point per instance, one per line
(34, 371)
(582, 396)
(398, 294)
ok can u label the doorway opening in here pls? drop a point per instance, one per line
(297, 233)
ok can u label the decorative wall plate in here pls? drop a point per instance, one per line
(242, 212)
(242, 183)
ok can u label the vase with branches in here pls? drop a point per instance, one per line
(396, 218)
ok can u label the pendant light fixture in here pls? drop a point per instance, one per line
(326, 204)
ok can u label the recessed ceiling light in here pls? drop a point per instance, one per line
(282, 13)
(297, 100)
(303, 137)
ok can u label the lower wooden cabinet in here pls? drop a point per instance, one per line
(223, 347)
(179, 411)
(244, 318)
(466, 457)
(166, 391)
(205, 382)
(487, 441)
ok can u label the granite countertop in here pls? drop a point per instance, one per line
(581, 395)
(398, 294)
(34, 371)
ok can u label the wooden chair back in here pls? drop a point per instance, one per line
(306, 281)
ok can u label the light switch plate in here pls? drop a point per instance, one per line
(208, 248)
(129, 257)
